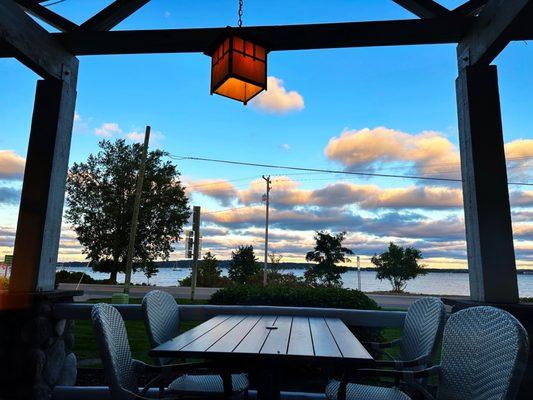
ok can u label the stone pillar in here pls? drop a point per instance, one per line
(35, 347)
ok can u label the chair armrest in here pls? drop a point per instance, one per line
(383, 345)
(399, 364)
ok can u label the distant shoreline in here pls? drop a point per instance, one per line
(184, 264)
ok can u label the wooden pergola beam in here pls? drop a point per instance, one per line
(491, 31)
(424, 8)
(468, 8)
(31, 44)
(48, 16)
(112, 15)
(282, 37)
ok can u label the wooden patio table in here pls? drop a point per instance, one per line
(264, 343)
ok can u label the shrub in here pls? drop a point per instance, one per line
(74, 277)
(295, 296)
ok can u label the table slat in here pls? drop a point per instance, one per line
(323, 341)
(346, 341)
(191, 335)
(253, 342)
(278, 339)
(230, 341)
(211, 337)
(300, 342)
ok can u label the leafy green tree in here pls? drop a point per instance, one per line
(398, 265)
(100, 196)
(243, 265)
(209, 274)
(327, 253)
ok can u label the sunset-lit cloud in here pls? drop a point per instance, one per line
(277, 99)
(428, 152)
(11, 165)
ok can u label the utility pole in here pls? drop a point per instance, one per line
(135, 216)
(265, 268)
(196, 248)
(358, 273)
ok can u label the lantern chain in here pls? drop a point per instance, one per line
(239, 22)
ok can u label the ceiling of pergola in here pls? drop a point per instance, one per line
(118, 10)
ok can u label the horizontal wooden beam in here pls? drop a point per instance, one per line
(31, 44)
(112, 15)
(424, 8)
(277, 38)
(491, 31)
(469, 8)
(46, 15)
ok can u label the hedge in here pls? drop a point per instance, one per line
(295, 296)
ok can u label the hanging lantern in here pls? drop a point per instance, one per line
(238, 68)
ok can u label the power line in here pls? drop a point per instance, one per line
(229, 209)
(358, 173)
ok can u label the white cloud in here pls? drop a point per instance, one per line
(167, 14)
(138, 136)
(108, 129)
(286, 146)
(277, 99)
(11, 165)
(429, 152)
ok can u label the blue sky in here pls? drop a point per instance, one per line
(360, 99)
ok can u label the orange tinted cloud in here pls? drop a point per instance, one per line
(429, 152)
(11, 165)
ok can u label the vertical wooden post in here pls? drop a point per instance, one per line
(43, 190)
(196, 248)
(489, 235)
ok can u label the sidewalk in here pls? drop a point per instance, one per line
(104, 291)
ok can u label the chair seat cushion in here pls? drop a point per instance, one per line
(365, 392)
(207, 384)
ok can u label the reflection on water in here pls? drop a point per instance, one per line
(443, 283)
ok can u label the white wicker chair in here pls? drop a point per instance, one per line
(122, 370)
(162, 322)
(484, 355)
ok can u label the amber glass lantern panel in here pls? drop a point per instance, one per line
(238, 69)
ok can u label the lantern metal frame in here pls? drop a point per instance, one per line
(230, 34)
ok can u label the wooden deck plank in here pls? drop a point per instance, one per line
(278, 339)
(349, 345)
(300, 342)
(189, 336)
(323, 341)
(214, 335)
(230, 341)
(255, 339)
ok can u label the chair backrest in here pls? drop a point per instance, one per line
(422, 328)
(161, 317)
(112, 339)
(484, 355)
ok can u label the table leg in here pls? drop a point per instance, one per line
(268, 382)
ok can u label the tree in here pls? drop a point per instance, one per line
(243, 265)
(275, 261)
(398, 265)
(209, 274)
(327, 253)
(100, 196)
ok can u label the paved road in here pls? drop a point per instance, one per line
(103, 291)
